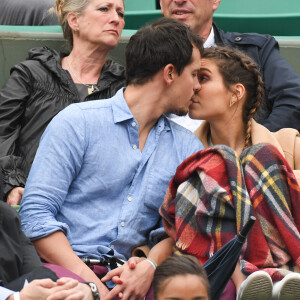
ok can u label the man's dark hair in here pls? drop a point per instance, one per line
(178, 265)
(166, 41)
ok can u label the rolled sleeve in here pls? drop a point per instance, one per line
(157, 235)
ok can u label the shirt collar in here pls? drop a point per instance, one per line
(121, 111)
(210, 41)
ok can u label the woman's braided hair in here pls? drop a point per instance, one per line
(236, 67)
(62, 8)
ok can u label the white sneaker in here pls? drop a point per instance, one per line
(288, 288)
(257, 286)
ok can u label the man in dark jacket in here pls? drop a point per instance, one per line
(20, 264)
(281, 107)
(29, 12)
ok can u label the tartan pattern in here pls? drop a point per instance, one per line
(213, 194)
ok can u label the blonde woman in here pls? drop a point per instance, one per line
(48, 81)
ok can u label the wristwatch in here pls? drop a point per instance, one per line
(94, 290)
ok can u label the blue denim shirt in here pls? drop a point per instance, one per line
(90, 180)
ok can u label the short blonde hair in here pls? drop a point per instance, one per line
(62, 8)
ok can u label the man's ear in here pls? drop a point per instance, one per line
(73, 21)
(169, 74)
(216, 4)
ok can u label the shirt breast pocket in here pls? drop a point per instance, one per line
(157, 188)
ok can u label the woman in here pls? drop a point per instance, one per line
(180, 277)
(215, 191)
(47, 82)
(231, 92)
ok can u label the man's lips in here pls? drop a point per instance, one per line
(180, 12)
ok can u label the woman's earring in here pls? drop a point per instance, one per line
(232, 101)
(76, 30)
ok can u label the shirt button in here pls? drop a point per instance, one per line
(122, 224)
(112, 246)
(238, 39)
(133, 124)
(129, 199)
(134, 147)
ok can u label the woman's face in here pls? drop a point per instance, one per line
(183, 287)
(212, 100)
(102, 23)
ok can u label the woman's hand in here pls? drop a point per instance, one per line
(133, 280)
(15, 196)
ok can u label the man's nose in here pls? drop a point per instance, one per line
(179, 2)
(197, 87)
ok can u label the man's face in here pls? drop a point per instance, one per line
(185, 86)
(197, 14)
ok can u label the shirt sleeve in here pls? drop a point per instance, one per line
(157, 235)
(282, 86)
(5, 293)
(13, 97)
(56, 164)
(194, 145)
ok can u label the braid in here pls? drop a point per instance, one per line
(251, 107)
(236, 67)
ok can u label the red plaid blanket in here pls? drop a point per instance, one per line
(213, 194)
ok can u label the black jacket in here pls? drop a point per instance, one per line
(281, 108)
(18, 257)
(36, 91)
(17, 254)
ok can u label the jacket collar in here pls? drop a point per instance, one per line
(51, 60)
(219, 35)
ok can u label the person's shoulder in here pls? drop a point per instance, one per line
(113, 68)
(38, 57)
(243, 39)
(177, 127)
(87, 108)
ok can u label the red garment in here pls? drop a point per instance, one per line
(213, 194)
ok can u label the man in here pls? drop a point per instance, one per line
(20, 264)
(281, 107)
(103, 167)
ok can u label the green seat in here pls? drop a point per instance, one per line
(16, 207)
(137, 19)
(140, 5)
(275, 17)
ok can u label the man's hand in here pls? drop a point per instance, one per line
(37, 289)
(114, 275)
(70, 289)
(15, 196)
(133, 281)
